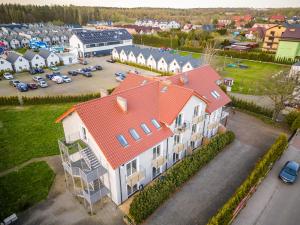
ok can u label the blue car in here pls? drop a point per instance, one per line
(289, 172)
(22, 87)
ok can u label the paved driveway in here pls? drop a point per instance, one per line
(207, 191)
(275, 203)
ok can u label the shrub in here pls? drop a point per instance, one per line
(291, 117)
(148, 200)
(9, 100)
(225, 214)
(296, 124)
(251, 106)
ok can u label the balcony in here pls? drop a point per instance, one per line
(198, 119)
(213, 125)
(95, 195)
(182, 128)
(136, 177)
(158, 162)
(178, 148)
(196, 137)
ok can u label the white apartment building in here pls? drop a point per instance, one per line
(124, 143)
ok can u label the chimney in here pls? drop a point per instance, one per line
(122, 102)
(103, 92)
(184, 78)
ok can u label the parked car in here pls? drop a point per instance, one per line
(83, 62)
(32, 86)
(86, 69)
(98, 67)
(14, 83)
(92, 68)
(22, 87)
(57, 79)
(73, 72)
(8, 76)
(66, 79)
(111, 60)
(289, 172)
(54, 68)
(120, 78)
(49, 76)
(42, 83)
(37, 78)
(33, 71)
(87, 74)
(119, 74)
(133, 71)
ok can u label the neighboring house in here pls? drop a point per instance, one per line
(24, 42)
(5, 65)
(99, 42)
(19, 63)
(272, 37)
(34, 59)
(144, 140)
(68, 58)
(277, 19)
(14, 43)
(295, 70)
(50, 58)
(289, 44)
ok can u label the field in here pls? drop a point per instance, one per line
(245, 80)
(28, 132)
(22, 189)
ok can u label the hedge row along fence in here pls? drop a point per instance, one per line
(148, 200)
(225, 215)
(293, 120)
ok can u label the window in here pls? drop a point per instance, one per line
(20, 59)
(215, 94)
(131, 167)
(193, 144)
(178, 120)
(145, 128)
(176, 139)
(83, 131)
(196, 111)
(122, 140)
(155, 123)
(175, 157)
(194, 128)
(156, 152)
(134, 134)
(155, 172)
(131, 190)
(36, 57)
(2, 62)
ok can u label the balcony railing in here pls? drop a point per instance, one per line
(94, 195)
(159, 161)
(178, 148)
(136, 177)
(182, 127)
(198, 119)
(213, 125)
(196, 137)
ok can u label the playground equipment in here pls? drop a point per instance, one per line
(57, 49)
(35, 44)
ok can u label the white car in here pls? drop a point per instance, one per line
(66, 78)
(58, 79)
(38, 78)
(8, 76)
(42, 83)
(92, 68)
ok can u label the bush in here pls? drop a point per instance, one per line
(291, 117)
(148, 200)
(296, 124)
(225, 214)
(251, 106)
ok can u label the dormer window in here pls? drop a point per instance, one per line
(145, 128)
(134, 134)
(122, 140)
(155, 123)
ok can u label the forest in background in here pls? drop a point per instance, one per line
(78, 14)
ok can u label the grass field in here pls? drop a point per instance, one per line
(245, 80)
(28, 132)
(22, 189)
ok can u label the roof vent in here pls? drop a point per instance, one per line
(184, 78)
(122, 102)
(164, 89)
(144, 82)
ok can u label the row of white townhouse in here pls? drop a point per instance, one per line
(124, 143)
(18, 63)
(155, 59)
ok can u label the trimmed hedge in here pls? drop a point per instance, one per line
(293, 120)
(148, 200)
(225, 214)
(251, 106)
(296, 124)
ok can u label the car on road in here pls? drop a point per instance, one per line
(87, 74)
(73, 72)
(32, 86)
(22, 87)
(98, 67)
(54, 68)
(289, 172)
(8, 76)
(37, 78)
(111, 60)
(66, 79)
(14, 83)
(42, 83)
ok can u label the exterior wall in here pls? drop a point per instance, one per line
(272, 37)
(151, 62)
(162, 65)
(141, 59)
(37, 61)
(115, 54)
(52, 60)
(14, 43)
(131, 57)
(123, 56)
(174, 67)
(68, 59)
(211, 123)
(288, 49)
(21, 64)
(5, 65)
(187, 67)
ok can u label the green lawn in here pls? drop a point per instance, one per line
(28, 132)
(22, 189)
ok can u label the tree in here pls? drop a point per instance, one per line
(279, 88)
(209, 53)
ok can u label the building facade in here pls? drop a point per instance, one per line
(19, 63)
(272, 37)
(5, 65)
(289, 44)
(34, 59)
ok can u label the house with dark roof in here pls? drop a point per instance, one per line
(5, 65)
(51, 59)
(24, 42)
(125, 143)
(34, 59)
(289, 44)
(18, 62)
(99, 42)
(14, 43)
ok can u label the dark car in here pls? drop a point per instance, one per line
(36, 70)
(14, 83)
(32, 86)
(86, 70)
(87, 74)
(111, 61)
(289, 172)
(39, 70)
(22, 87)
(49, 76)
(33, 71)
(73, 72)
(98, 67)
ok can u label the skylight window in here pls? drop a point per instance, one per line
(215, 94)
(134, 134)
(122, 140)
(145, 128)
(155, 123)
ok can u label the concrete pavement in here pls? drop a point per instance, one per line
(274, 202)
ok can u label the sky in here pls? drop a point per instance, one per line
(167, 3)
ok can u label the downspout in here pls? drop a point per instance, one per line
(120, 184)
(167, 153)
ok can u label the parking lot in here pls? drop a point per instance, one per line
(79, 85)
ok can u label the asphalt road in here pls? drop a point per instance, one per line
(274, 202)
(201, 197)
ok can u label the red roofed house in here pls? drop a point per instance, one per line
(277, 18)
(120, 142)
(241, 21)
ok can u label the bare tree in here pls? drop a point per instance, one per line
(209, 53)
(279, 88)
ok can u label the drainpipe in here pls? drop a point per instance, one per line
(120, 184)
(167, 153)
